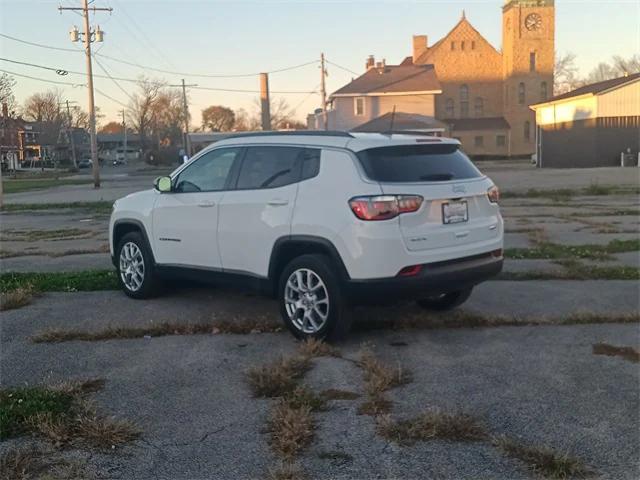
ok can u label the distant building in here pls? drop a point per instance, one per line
(590, 126)
(37, 143)
(111, 145)
(9, 139)
(485, 93)
(72, 140)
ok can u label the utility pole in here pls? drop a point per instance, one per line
(323, 92)
(185, 112)
(124, 146)
(265, 103)
(87, 47)
(70, 133)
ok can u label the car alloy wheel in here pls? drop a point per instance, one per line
(306, 301)
(131, 266)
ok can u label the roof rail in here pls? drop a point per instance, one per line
(293, 133)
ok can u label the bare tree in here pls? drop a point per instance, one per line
(217, 118)
(112, 127)
(141, 108)
(167, 117)
(282, 116)
(43, 107)
(619, 67)
(7, 82)
(245, 122)
(566, 74)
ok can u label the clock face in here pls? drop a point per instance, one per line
(533, 21)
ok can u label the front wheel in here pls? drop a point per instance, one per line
(312, 304)
(135, 267)
(446, 301)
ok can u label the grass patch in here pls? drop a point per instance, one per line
(379, 377)
(564, 194)
(52, 235)
(278, 379)
(291, 429)
(24, 185)
(432, 425)
(312, 348)
(99, 207)
(287, 471)
(90, 280)
(542, 460)
(376, 404)
(555, 251)
(28, 251)
(159, 330)
(16, 298)
(336, 394)
(574, 270)
(32, 462)
(303, 397)
(628, 353)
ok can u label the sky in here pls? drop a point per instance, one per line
(215, 37)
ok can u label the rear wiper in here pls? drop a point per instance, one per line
(437, 177)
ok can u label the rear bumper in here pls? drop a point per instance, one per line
(435, 278)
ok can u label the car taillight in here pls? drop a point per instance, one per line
(384, 207)
(493, 194)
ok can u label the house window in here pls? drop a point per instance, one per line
(464, 101)
(521, 93)
(543, 91)
(358, 106)
(527, 131)
(479, 107)
(449, 108)
(453, 45)
(478, 141)
(501, 140)
(532, 61)
(462, 45)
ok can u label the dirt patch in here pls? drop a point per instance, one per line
(628, 353)
(16, 298)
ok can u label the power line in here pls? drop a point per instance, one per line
(43, 80)
(146, 67)
(237, 90)
(111, 98)
(343, 68)
(113, 80)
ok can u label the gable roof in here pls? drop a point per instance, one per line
(401, 122)
(594, 88)
(463, 23)
(392, 79)
(487, 123)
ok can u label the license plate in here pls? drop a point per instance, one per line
(455, 212)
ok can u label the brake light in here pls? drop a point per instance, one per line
(410, 271)
(493, 194)
(384, 207)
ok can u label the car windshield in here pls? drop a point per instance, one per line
(417, 163)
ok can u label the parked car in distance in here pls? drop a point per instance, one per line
(85, 163)
(320, 220)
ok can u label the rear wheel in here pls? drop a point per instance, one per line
(446, 301)
(136, 273)
(312, 304)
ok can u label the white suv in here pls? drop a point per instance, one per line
(321, 220)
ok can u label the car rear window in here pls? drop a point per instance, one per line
(417, 163)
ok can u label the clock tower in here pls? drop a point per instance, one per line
(528, 56)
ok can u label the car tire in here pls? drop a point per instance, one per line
(311, 299)
(135, 267)
(446, 301)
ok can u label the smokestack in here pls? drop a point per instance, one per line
(420, 46)
(370, 63)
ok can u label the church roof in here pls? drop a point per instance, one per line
(392, 79)
(488, 123)
(401, 122)
(594, 88)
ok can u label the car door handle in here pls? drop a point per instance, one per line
(207, 204)
(462, 234)
(277, 202)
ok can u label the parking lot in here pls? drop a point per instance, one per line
(541, 360)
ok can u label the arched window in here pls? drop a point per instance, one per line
(532, 61)
(478, 107)
(527, 131)
(449, 108)
(521, 93)
(464, 100)
(543, 91)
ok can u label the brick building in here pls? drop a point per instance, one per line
(486, 93)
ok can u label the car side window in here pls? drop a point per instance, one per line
(310, 163)
(270, 167)
(208, 173)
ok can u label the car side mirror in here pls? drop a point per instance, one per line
(163, 184)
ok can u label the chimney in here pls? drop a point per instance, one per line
(370, 63)
(419, 46)
(5, 110)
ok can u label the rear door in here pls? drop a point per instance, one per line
(258, 211)
(455, 210)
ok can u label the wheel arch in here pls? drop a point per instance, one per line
(127, 225)
(287, 248)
